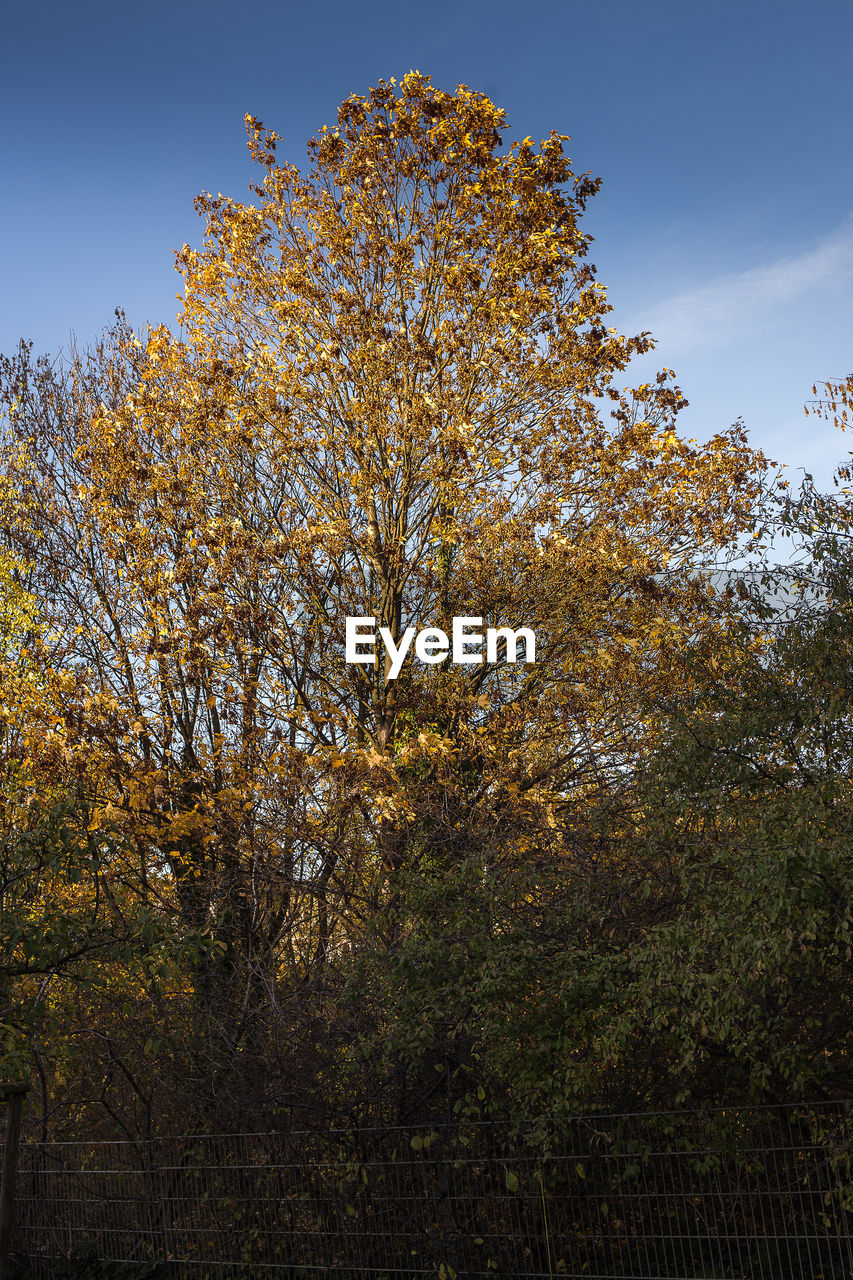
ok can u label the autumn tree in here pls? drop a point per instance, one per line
(386, 398)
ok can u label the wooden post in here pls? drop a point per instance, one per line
(13, 1094)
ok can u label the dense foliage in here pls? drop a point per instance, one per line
(246, 882)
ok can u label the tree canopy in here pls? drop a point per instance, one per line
(392, 392)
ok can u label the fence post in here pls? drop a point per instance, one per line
(13, 1094)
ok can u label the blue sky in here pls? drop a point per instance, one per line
(721, 130)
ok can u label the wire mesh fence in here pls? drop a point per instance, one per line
(758, 1193)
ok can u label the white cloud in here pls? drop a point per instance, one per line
(734, 306)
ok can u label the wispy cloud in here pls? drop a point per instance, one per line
(733, 306)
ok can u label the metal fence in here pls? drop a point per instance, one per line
(749, 1192)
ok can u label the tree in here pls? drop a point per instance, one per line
(385, 400)
(715, 965)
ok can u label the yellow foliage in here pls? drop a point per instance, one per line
(384, 400)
